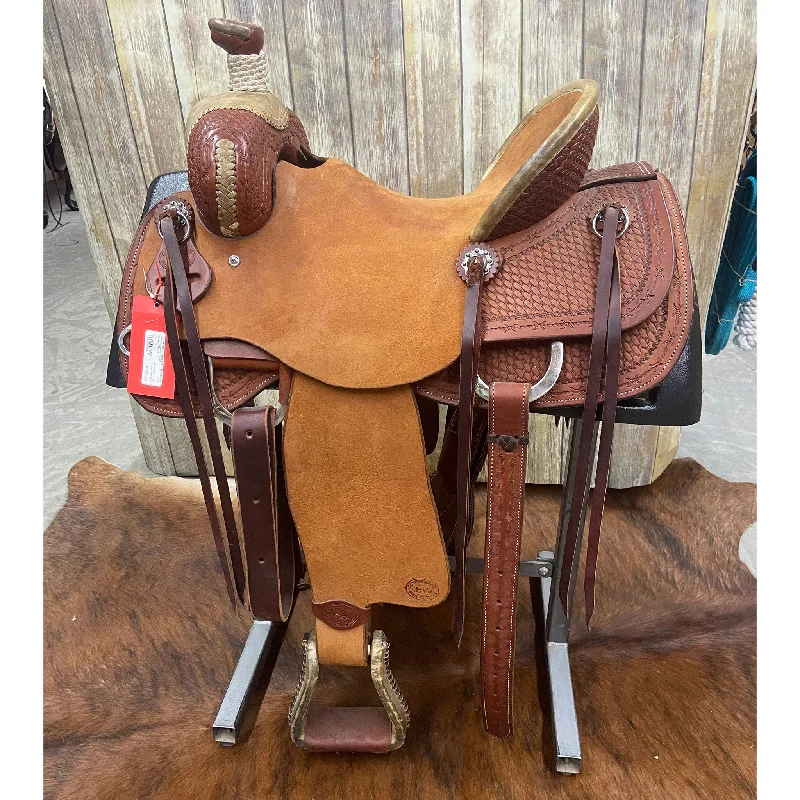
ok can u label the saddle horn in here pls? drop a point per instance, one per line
(236, 138)
(237, 38)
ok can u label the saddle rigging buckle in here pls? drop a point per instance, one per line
(390, 695)
(222, 413)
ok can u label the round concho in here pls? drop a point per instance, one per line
(492, 260)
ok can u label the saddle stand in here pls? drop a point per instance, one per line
(550, 288)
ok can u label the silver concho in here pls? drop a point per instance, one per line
(492, 260)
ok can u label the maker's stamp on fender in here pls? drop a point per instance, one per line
(422, 589)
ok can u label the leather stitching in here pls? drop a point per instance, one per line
(126, 301)
(493, 584)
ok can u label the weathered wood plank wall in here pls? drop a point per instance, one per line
(417, 94)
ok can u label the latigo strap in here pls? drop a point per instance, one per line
(508, 439)
(176, 282)
(605, 352)
(468, 366)
(267, 527)
(444, 481)
(613, 348)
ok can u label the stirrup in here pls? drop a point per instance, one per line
(390, 695)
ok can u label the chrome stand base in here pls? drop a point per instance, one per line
(562, 700)
(556, 620)
(227, 726)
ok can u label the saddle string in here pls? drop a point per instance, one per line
(613, 353)
(177, 282)
(468, 370)
(605, 353)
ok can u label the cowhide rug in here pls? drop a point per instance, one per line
(140, 643)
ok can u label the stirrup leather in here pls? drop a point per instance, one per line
(390, 695)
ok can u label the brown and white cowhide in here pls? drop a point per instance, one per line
(140, 643)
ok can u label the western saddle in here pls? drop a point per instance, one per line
(550, 287)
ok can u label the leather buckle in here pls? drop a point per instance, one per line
(390, 695)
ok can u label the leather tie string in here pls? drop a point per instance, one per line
(468, 368)
(177, 283)
(613, 353)
(605, 353)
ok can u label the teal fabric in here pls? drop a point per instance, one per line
(736, 276)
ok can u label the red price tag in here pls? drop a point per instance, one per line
(150, 370)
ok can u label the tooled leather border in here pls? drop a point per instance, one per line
(247, 388)
(643, 376)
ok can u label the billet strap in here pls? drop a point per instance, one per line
(468, 369)
(176, 282)
(267, 528)
(605, 353)
(508, 440)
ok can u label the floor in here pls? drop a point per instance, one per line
(82, 416)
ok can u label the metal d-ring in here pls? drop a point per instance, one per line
(222, 413)
(541, 387)
(184, 212)
(600, 216)
(121, 341)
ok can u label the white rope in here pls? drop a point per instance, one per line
(247, 73)
(745, 327)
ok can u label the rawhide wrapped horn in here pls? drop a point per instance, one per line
(235, 139)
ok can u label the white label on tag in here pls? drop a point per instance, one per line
(155, 345)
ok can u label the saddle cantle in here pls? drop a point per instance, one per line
(548, 286)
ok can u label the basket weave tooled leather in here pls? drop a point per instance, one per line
(253, 146)
(545, 291)
(555, 184)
